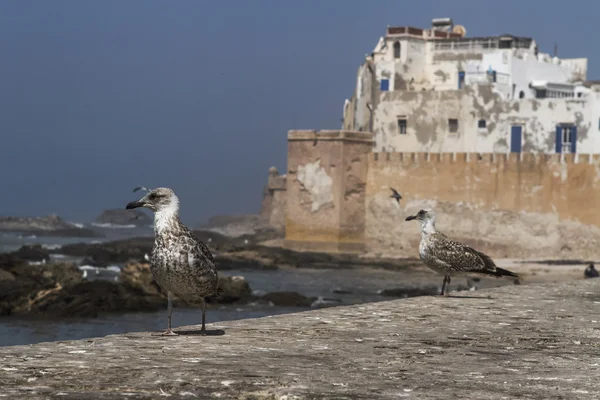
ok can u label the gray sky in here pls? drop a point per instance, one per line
(97, 97)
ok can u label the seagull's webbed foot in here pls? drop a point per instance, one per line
(168, 332)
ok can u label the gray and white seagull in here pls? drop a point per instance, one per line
(181, 264)
(448, 257)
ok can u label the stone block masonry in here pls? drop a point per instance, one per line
(565, 184)
(532, 341)
(326, 178)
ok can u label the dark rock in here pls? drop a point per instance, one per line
(341, 291)
(123, 217)
(89, 299)
(33, 252)
(233, 289)
(288, 299)
(119, 251)
(24, 283)
(48, 223)
(233, 261)
(139, 276)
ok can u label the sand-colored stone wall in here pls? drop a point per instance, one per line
(544, 204)
(326, 178)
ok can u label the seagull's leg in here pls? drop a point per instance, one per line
(203, 329)
(169, 331)
(448, 287)
(443, 285)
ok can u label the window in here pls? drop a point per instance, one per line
(521, 94)
(402, 126)
(397, 50)
(385, 85)
(453, 125)
(567, 137)
(540, 93)
(481, 124)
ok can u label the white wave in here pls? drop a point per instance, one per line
(77, 225)
(51, 246)
(113, 226)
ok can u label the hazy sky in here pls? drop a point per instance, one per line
(97, 97)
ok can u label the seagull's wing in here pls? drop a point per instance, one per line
(459, 257)
(205, 251)
(395, 192)
(144, 188)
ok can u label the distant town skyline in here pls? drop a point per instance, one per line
(101, 97)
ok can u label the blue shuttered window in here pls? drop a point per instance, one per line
(558, 139)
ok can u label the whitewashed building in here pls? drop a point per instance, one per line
(437, 90)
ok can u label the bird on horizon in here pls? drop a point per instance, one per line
(448, 257)
(181, 264)
(395, 195)
(143, 188)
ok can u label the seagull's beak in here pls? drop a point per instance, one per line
(410, 218)
(134, 204)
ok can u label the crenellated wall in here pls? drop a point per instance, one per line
(566, 184)
(337, 197)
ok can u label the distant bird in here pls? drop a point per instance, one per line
(395, 195)
(447, 257)
(143, 188)
(181, 264)
(591, 271)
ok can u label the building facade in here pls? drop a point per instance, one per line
(469, 126)
(436, 90)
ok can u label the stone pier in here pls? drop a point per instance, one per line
(530, 342)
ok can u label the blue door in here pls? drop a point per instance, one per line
(461, 79)
(516, 137)
(385, 85)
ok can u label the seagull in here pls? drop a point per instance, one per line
(448, 257)
(181, 264)
(395, 195)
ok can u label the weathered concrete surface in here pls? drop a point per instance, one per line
(534, 342)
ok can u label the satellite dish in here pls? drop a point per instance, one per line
(460, 30)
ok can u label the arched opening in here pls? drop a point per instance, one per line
(521, 94)
(397, 50)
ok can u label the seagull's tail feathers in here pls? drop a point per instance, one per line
(500, 272)
(493, 269)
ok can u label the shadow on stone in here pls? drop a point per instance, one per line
(208, 332)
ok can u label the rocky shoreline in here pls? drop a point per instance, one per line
(33, 285)
(60, 290)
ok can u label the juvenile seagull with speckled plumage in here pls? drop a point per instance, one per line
(447, 257)
(181, 264)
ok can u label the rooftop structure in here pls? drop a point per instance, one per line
(439, 90)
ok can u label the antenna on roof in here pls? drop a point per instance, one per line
(555, 49)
